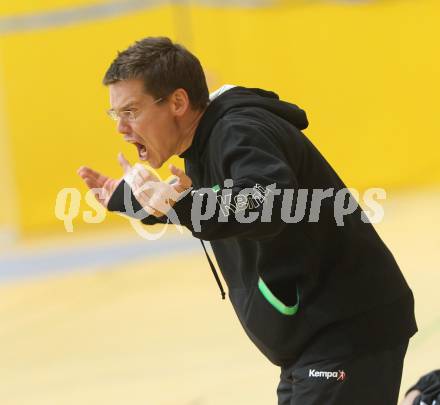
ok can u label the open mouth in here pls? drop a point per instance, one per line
(142, 150)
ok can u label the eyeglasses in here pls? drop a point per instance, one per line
(128, 115)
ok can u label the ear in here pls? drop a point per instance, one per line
(179, 102)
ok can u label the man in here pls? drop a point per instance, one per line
(321, 296)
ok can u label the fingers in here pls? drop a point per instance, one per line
(172, 180)
(85, 171)
(125, 164)
(139, 175)
(145, 173)
(90, 183)
(92, 177)
(89, 176)
(183, 181)
(175, 170)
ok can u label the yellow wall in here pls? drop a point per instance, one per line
(368, 76)
(56, 106)
(8, 199)
(9, 8)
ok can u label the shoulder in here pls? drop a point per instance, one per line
(242, 126)
(235, 142)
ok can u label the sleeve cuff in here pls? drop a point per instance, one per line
(116, 203)
(183, 207)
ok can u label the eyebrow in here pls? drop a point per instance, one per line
(127, 106)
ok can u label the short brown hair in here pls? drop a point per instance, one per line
(164, 67)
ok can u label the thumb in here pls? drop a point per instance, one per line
(125, 164)
(184, 181)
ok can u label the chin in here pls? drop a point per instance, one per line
(155, 165)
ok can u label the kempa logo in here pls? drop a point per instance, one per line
(339, 375)
(242, 202)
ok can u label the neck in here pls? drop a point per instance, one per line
(190, 131)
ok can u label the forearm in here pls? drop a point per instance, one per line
(248, 212)
(124, 201)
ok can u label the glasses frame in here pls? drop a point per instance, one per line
(129, 115)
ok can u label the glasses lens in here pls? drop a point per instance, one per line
(112, 114)
(127, 115)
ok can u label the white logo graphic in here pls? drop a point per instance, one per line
(339, 375)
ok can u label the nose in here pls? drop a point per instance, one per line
(123, 126)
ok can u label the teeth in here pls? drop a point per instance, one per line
(143, 153)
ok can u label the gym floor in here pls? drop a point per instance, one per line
(120, 320)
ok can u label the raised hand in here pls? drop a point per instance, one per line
(96, 180)
(156, 196)
(183, 182)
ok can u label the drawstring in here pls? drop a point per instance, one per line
(219, 283)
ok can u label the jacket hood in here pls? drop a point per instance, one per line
(243, 97)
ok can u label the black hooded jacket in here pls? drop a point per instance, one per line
(301, 277)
